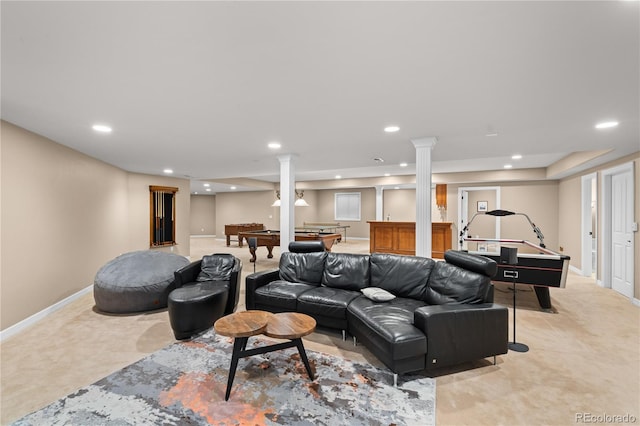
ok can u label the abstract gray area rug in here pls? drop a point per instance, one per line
(185, 383)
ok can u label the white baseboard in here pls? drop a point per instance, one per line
(18, 327)
(576, 270)
(202, 236)
(636, 302)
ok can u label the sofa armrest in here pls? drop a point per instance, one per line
(462, 333)
(187, 274)
(256, 280)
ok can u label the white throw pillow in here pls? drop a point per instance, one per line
(377, 294)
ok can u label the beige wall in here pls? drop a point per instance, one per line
(306, 214)
(482, 226)
(569, 211)
(399, 205)
(203, 215)
(246, 207)
(570, 219)
(64, 215)
(539, 201)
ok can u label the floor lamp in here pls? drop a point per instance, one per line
(509, 256)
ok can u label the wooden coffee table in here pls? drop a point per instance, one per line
(242, 325)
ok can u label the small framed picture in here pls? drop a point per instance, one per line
(483, 206)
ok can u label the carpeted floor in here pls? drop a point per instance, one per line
(185, 383)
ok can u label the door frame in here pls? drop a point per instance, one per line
(587, 187)
(468, 189)
(606, 241)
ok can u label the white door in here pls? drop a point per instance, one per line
(622, 199)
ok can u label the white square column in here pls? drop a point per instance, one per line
(287, 200)
(379, 202)
(423, 146)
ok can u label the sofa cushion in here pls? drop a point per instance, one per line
(377, 294)
(326, 301)
(346, 271)
(216, 267)
(302, 267)
(389, 325)
(451, 284)
(404, 276)
(281, 294)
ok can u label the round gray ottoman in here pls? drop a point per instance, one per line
(137, 281)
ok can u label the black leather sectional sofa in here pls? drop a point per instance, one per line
(442, 314)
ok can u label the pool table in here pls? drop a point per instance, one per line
(235, 228)
(271, 238)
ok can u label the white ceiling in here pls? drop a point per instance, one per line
(202, 87)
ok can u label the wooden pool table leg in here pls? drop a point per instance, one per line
(270, 255)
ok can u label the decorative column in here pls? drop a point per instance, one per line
(287, 200)
(423, 146)
(379, 202)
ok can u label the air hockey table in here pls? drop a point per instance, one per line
(536, 265)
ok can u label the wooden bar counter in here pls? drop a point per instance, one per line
(400, 238)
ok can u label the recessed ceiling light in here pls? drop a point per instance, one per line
(403, 164)
(391, 129)
(168, 171)
(196, 192)
(338, 177)
(508, 166)
(606, 124)
(101, 128)
(206, 185)
(516, 157)
(208, 190)
(396, 187)
(378, 160)
(492, 134)
(274, 145)
(233, 188)
(387, 174)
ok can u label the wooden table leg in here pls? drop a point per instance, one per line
(252, 250)
(270, 255)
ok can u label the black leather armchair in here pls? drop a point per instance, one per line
(206, 290)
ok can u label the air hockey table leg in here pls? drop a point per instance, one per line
(543, 296)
